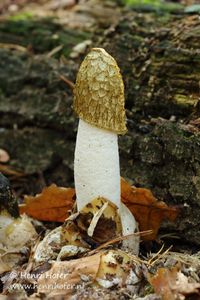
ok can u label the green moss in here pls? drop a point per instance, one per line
(41, 35)
(148, 289)
(153, 5)
(151, 2)
(185, 100)
(21, 16)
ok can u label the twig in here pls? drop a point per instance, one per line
(158, 256)
(68, 82)
(7, 170)
(13, 46)
(54, 51)
(118, 239)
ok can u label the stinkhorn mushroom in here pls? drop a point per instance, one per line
(99, 103)
(15, 231)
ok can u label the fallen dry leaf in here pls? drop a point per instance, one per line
(65, 276)
(106, 269)
(147, 210)
(52, 204)
(4, 267)
(172, 284)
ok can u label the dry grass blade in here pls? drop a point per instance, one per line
(54, 51)
(13, 47)
(158, 256)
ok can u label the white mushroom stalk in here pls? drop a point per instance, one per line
(99, 103)
(96, 165)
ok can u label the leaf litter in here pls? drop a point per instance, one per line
(84, 258)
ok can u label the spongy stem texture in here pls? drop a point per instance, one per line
(96, 165)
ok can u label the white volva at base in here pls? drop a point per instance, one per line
(129, 226)
(96, 165)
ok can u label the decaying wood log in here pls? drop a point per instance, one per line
(160, 60)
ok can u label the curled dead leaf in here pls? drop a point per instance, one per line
(66, 276)
(106, 269)
(172, 284)
(52, 204)
(147, 210)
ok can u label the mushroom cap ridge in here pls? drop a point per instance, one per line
(99, 92)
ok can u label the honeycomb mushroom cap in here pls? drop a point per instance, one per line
(99, 92)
